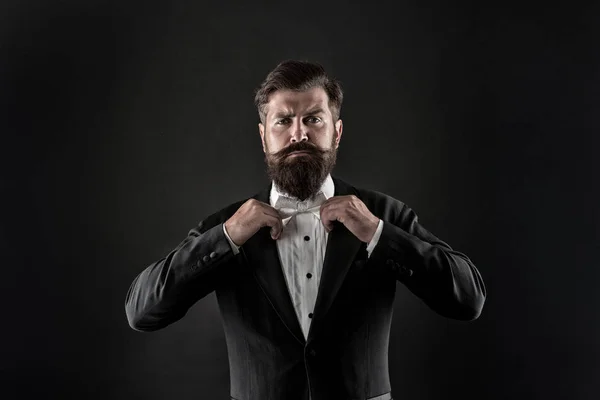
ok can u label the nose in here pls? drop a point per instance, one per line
(299, 131)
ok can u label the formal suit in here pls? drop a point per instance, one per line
(345, 355)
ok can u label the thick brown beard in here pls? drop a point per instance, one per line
(300, 176)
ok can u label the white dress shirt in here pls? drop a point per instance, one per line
(301, 247)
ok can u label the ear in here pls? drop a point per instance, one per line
(339, 127)
(261, 130)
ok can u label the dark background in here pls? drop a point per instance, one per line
(125, 123)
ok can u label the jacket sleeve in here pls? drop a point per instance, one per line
(163, 292)
(445, 279)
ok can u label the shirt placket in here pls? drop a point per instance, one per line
(305, 258)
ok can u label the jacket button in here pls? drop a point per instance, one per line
(213, 254)
(313, 352)
(206, 258)
(389, 261)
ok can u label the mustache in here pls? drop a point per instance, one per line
(300, 146)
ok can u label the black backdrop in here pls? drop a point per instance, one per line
(125, 123)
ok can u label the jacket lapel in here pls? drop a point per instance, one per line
(262, 255)
(342, 247)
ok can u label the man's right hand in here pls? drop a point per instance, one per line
(249, 218)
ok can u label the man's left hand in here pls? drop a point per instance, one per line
(351, 212)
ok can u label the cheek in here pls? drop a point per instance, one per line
(274, 142)
(324, 138)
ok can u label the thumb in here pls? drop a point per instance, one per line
(276, 230)
(274, 233)
(328, 225)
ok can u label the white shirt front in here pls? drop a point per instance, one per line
(301, 249)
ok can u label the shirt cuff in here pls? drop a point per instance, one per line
(375, 238)
(235, 248)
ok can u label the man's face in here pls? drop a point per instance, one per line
(300, 140)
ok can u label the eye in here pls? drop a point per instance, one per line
(282, 121)
(313, 120)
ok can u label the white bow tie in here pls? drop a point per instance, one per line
(289, 207)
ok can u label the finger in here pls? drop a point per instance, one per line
(272, 211)
(276, 225)
(331, 200)
(269, 216)
(266, 208)
(327, 214)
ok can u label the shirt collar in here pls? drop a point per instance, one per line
(327, 188)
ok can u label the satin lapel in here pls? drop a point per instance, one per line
(261, 254)
(342, 247)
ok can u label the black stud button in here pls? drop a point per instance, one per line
(309, 275)
(310, 315)
(306, 238)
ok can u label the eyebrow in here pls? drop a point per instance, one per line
(316, 110)
(284, 114)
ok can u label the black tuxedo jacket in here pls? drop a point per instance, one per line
(346, 353)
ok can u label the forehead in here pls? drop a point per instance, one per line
(290, 100)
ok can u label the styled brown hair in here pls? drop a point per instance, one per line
(299, 76)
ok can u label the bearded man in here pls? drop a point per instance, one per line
(305, 271)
